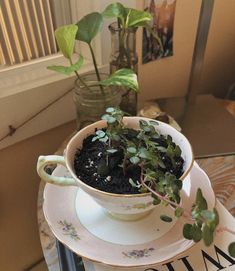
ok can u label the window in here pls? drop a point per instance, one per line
(27, 31)
(27, 47)
(27, 42)
(26, 85)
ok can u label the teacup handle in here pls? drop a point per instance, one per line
(53, 159)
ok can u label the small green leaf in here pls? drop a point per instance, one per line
(215, 220)
(105, 117)
(178, 212)
(60, 69)
(200, 200)
(187, 231)
(197, 233)
(170, 151)
(198, 222)
(177, 151)
(115, 10)
(156, 201)
(108, 118)
(94, 138)
(143, 123)
(144, 153)
(77, 65)
(110, 110)
(104, 139)
(65, 37)
(216, 216)
(67, 70)
(179, 183)
(166, 218)
(196, 213)
(207, 235)
(116, 137)
(100, 133)
(161, 149)
(169, 139)
(137, 18)
(131, 150)
(89, 26)
(208, 215)
(143, 189)
(135, 160)
(231, 249)
(123, 77)
(132, 183)
(111, 120)
(153, 122)
(160, 163)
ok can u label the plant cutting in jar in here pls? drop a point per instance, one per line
(123, 45)
(127, 18)
(66, 37)
(129, 161)
(85, 30)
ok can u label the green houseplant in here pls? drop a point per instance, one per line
(123, 44)
(147, 150)
(89, 92)
(100, 89)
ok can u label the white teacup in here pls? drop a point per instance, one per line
(123, 206)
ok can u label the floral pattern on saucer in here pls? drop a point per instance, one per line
(69, 229)
(60, 212)
(136, 254)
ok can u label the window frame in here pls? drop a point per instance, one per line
(22, 77)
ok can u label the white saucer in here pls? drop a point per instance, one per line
(102, 225)
(80, 224)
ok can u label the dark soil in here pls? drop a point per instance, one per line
(91, 167)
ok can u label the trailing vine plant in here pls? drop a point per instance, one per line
(143, 149)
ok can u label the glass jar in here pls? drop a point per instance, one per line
(92, 101)
(123, 55)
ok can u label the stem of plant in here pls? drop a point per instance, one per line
(186, 213)
(78, 76)
(96, 68)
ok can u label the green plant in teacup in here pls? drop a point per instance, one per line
(139, 138)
